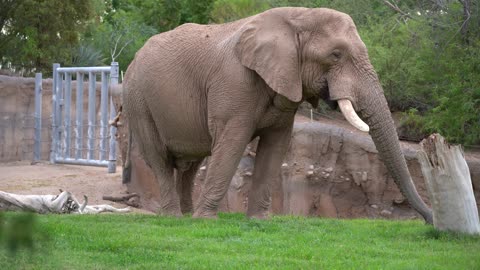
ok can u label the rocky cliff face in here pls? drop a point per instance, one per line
(329, 171)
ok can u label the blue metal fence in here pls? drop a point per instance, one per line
(72, 147)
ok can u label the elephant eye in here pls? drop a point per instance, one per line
(336, 54)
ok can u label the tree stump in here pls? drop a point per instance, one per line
(449, 186)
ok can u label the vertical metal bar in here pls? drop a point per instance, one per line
(38, 117)
(60, 127)
(103, 117)
(91, 115)
(68, 112)
(112, 154)
(114, 73)
(54, 114)
(79, 117)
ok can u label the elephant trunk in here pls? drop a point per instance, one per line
(374, 110)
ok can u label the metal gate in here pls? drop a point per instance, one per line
(69, 144)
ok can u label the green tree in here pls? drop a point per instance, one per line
(429, 62)
(126, 25)
(157, 14)
(36, 33)
(119, 38)
(196, 11)
(6, 15)
(230, 10)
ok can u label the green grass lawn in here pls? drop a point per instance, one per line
(230, 242)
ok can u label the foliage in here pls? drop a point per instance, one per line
(457, 116)
(399, 56)
(160, 15)
(36, 33)
(235, 242)
(127, 24)
(411, 126)
(119, 39)
(436, 71)
(426, 52)
(230, 10)
(197, 11)
(87, 56)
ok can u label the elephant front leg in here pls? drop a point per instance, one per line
(230, 143)
(271, 151)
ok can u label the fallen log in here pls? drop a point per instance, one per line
(119, 198)
(128, 199)
(64, 203)
(449, 186)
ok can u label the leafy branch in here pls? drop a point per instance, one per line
(395, 8)
(117, 39)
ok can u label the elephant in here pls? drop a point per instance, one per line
(208, 90)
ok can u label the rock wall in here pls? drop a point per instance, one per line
(329, 171)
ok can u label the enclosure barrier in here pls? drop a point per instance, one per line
(70, 148)
(38, 117)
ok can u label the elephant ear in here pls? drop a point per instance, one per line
(267, 44)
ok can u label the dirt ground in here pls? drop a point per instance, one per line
(45, 178)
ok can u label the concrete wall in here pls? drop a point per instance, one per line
(17, 107)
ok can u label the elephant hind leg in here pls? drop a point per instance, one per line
(155, 153)
(185, 174)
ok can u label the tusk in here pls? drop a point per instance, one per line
(351, 116)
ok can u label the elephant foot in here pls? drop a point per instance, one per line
(186, 208)
(258, 210)
(187, 212)
(205, 214)
(171, 211)
(258, 215)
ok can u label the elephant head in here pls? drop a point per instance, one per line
(307, 54)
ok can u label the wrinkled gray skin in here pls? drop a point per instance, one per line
(208, 90)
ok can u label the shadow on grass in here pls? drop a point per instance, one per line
(435, 234)
(21, 232)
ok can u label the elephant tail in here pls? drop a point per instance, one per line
(127, 168)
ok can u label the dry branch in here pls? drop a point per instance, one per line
(119, 198)
(64, 203)
(397, 9)
(128, 199)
